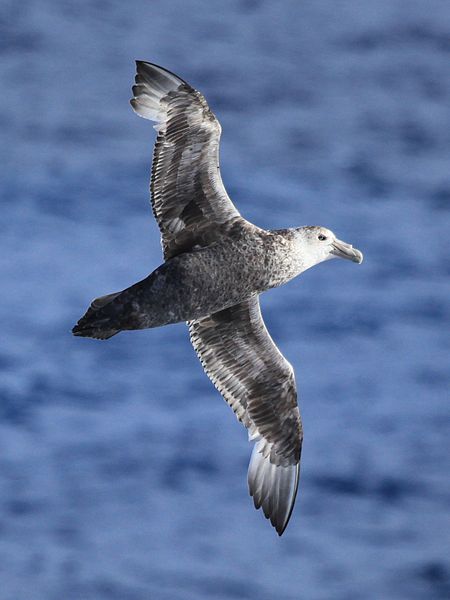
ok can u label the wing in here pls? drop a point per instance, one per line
(241, 359)
(189, 200)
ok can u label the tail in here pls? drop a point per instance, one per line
(273, 487)
(99, 320)
(153, 83)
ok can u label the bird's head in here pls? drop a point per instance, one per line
(317, 244)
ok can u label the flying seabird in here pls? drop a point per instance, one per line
(216, 265)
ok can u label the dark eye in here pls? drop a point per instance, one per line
(322, 237)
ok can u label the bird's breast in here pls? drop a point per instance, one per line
(206, 280)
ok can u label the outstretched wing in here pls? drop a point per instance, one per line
(188, 197)
(241, 359)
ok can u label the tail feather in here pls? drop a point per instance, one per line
(95, 331)
(102, 301)
(97, 323)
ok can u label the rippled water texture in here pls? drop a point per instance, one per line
(122, 472)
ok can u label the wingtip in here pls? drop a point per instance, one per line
(273, 487)
(280, 530)
(152, 84)
(173, 77)
(140, 63)
(294, 498)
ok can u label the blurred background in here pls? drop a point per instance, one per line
(122, 471)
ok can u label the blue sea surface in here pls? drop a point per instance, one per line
(122, 471)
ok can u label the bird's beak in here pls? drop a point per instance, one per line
(343, 250)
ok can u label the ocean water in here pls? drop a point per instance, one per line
(122, 471)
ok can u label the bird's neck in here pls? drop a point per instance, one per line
(284, 257)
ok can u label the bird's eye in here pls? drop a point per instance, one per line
(322, 237)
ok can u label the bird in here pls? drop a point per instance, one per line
(216, 264)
